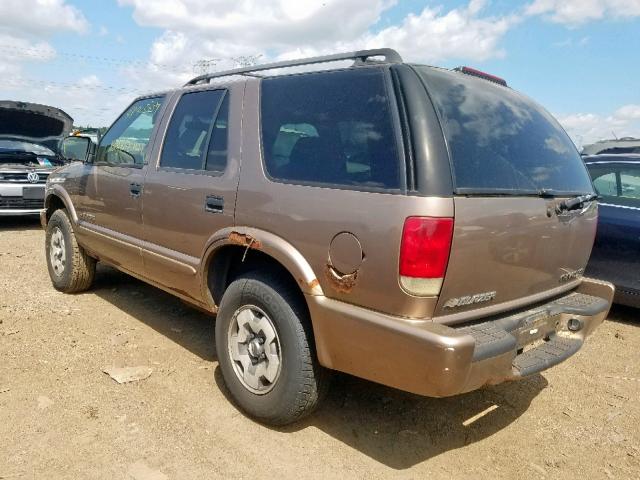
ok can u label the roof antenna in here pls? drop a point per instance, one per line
(614, 135)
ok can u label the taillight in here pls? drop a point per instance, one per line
(424, 254)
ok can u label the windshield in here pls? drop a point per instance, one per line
(500, 141)
(21, 146)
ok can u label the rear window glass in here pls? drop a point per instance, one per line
(500, 140)
(330, 128)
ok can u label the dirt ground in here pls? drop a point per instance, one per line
(62, 417)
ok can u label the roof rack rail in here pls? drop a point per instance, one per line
(360, 57)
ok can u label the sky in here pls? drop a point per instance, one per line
(578, 58)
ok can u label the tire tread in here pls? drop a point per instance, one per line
(314, 379)
(83, 267)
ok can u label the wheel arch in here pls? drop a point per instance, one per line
(235, 246)
(57, 198)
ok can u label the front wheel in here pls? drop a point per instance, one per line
(265, 349)
(70, 268)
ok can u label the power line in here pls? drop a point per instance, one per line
(22, 81)
(200, 66)
(53, 56)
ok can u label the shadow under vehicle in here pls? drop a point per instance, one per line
(395, 428)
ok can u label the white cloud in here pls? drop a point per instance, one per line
(586, 128)
(14, 50)
(577, 12)
(223, 32)
(40, 17)
(628, 112)
(271, 24)
(25, 29)
(88, 100)
(222, 29)
(434, 35)
(26, 24)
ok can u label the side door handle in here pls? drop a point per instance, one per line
(214, 204)
(135, 189)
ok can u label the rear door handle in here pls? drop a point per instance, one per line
(214, 204)
(135, 189)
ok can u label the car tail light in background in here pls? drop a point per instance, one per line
(424, 254)
(481, 74)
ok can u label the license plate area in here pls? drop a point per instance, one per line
(33, 193)
(535, 329)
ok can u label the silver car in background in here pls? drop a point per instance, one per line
(30, 136)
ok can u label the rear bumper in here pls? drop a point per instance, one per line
(435, 360)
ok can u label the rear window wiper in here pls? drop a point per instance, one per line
(575, 202)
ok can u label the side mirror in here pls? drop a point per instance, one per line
(77, 148)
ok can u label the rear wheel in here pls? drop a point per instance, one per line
(71, 270)
(265, 349)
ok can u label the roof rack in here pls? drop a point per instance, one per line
(360, 57)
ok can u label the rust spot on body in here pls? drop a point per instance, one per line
(245, 240)
(343, 283)
(314, 283)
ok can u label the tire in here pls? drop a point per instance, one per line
(300, 381)
(71, 270)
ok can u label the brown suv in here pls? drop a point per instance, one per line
(419, 227)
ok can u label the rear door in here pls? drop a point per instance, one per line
(616, 254)
(190, 193)
(512, 165)
(331, 179)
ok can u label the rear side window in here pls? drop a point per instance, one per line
(196, 138)
(630, 183)
(617, 183)
(501, 141)
(332, 128)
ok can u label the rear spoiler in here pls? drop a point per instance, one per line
(480, 74)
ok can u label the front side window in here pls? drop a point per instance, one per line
(217, 151)
(196, 138)
(127, 140)
(332, 128)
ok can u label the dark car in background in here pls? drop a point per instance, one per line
(613, 146)
(616, 254)
(30, 137)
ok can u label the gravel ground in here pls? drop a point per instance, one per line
(62, 417)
